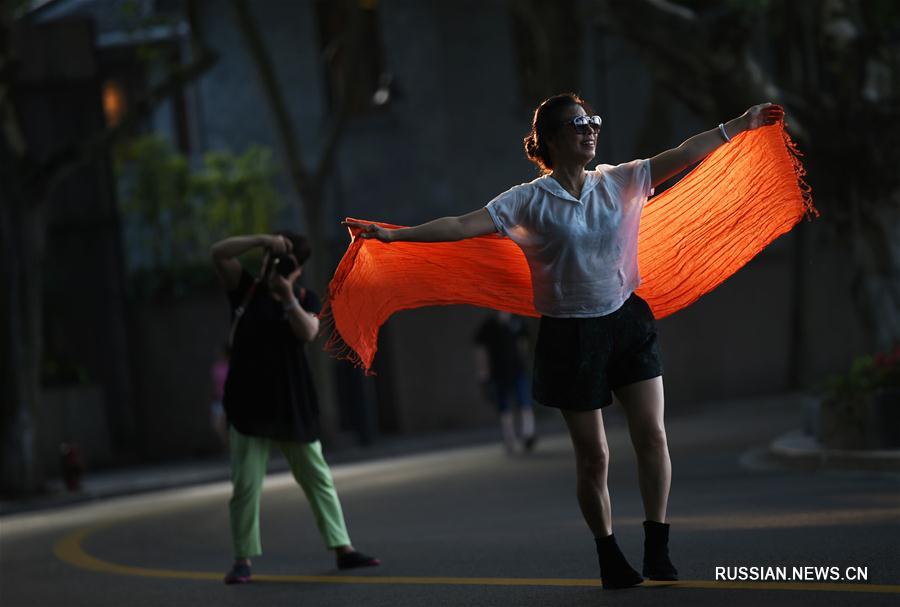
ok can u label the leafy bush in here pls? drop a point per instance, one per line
(867, 375)
(171, 214)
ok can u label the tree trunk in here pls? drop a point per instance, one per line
(20, 290)
(22, 334)
(309, 186)
(25, 188)
(322, 364)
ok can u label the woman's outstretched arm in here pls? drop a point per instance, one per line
(476, 223)
(225, 254)
(671, 162)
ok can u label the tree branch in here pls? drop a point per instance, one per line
(715, 77)
(339, 120)
(265, 69)
(66, 159)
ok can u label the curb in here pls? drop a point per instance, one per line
(798, 449)
(125, 481)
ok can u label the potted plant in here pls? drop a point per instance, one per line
(861, 409)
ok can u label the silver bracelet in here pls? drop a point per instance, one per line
(723, 133)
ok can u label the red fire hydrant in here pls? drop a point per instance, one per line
(71, 465)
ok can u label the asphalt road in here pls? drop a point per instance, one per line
(473, 527)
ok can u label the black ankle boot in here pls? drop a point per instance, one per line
(657, 565)
(615, 572)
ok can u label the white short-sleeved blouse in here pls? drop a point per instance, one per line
(582, 251)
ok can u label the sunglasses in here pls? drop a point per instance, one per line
(585, 124)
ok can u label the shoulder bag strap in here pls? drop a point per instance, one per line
(239, 312)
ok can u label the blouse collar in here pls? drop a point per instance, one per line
(552, 186)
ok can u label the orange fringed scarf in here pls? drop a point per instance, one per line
(693, 236)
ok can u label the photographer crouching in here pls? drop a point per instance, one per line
(269, 393)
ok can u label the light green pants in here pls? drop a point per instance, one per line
(249, 458)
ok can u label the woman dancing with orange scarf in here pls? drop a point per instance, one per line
(578, 230)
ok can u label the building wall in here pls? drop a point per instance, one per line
(85, 341)
(448, 141)
(175, 344)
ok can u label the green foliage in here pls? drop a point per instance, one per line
(171, 214)
(237, 191)
(867, 375)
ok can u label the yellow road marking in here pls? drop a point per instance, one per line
(69, 550)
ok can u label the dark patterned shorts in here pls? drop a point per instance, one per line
(578, 362)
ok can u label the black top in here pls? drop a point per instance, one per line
(501, 341)
(269, 390)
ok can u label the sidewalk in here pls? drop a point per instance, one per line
(131, 480)
(792, 450)
(800, 451)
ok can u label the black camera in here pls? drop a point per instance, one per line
(283, 264)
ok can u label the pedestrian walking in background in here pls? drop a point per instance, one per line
(501, 352)
(218, 373)
(269, 396)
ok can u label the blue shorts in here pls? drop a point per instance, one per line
(506, 391)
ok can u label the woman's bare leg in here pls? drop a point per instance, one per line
(643, 403)
(591, 465)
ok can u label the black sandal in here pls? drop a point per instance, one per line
(355, 559)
